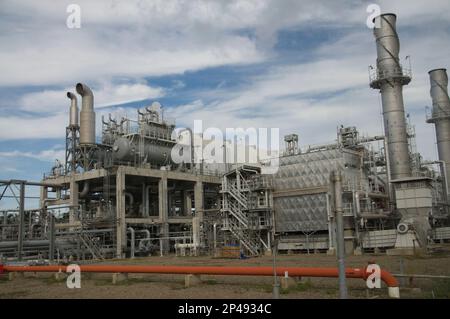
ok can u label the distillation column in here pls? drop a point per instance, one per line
(390, 79)
(440, 116)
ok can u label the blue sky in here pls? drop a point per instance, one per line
(297, 65)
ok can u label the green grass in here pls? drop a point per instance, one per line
(299, 287)
(440, 289)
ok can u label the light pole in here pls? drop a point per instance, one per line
(340, 234)
(276, 285)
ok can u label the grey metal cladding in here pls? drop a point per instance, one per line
(301, 213)
(309, 170)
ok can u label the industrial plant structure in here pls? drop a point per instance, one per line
(124, 195)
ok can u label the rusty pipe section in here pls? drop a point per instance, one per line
(361, 273)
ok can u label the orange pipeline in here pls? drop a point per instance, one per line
(361, 273)
(212, 270)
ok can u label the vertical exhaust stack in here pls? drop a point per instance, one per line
(389, 79)
(73, 119)
(87, 115)
(441, 116)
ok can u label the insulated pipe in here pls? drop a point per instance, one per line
(441, 116)
(87, 115)
(130, 198)
(361, 273)
(390, 79)
(73, 119)
(85, 190)
(133, 237)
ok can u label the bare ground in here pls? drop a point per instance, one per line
(228, 287)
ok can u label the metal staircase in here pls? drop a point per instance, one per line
(235, 212)
(92, 245)
(249, 242)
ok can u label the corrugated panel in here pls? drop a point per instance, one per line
(301, 213)
(309, 212)
(379, 238)
(441, 233)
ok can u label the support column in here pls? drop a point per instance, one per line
(198, 219)
(21, 232)
(42, 203)
(121, 235)
(163, 213)
(74, 192)
(144, 201)
(51, 249)
(43, 196)
(198, 200)
(188, 203)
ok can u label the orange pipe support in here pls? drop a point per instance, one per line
(361, 273)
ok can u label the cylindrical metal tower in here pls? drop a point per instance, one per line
(73, 119)
(440, 116)
(389, 79)
(87, 115)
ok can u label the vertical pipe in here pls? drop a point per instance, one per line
(51, 250)
(445, 186)
(340, 234)
(215, 238)
(330, 237)
(163, 214)
(120, 214)
(21, 232)
(390, 79)
(133, 238)
(87, 114)
(5, 220)
(73, 119)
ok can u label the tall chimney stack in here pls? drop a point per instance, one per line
(87, 115)
(440, 116)
(73, 119)
(389, 79)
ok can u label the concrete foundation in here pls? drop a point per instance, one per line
(192, 280)
(288, 282)
(14, 275)
(60, 276)
(357, 251)
(119, 277)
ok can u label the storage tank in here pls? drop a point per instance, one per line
(127, 150)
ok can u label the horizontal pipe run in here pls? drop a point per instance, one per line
(361, 273)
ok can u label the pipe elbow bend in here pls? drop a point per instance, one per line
(83, 89)
(72, 96)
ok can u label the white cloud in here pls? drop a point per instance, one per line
(105, 94)
(22, 127)
(45, 155)
(134, 39)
